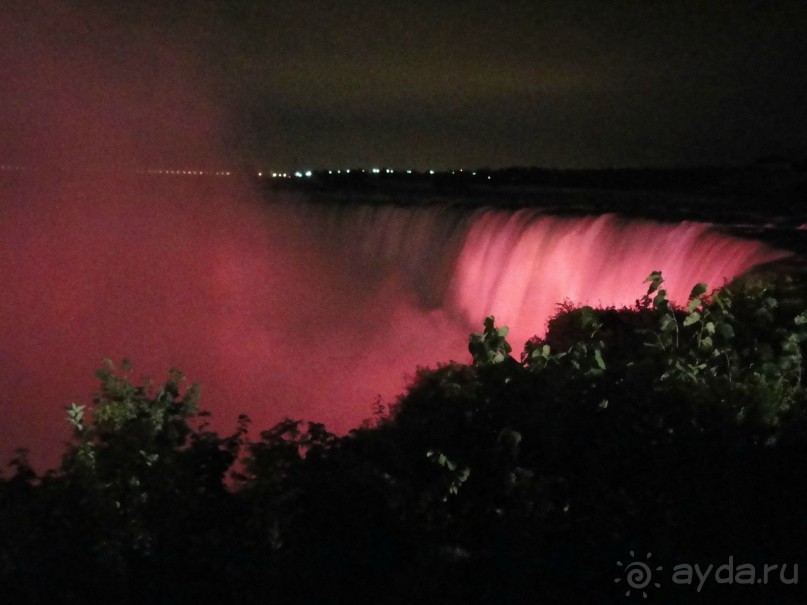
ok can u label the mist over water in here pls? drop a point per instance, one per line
(290, 308)
(237, 293)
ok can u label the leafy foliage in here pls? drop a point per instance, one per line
(490, 346)
(676, 430)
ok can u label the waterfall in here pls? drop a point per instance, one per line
(518, 265)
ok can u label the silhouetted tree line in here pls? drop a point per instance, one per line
(679, 431)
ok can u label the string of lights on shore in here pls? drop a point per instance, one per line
(299, 174)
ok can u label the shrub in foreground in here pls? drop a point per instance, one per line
(676, 431)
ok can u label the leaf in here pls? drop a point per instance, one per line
(667, 323)
(692, 318)
(693, 304)
(725, 330)
(503, 331)
(75, 415)
(710, 327)
(698, 290)
(598, 359)
(76, 411)
(655, 280)
(586, 315)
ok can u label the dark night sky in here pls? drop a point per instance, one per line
(316, 83)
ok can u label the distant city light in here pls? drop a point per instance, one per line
(187, 172)
(307, 173)
(376, 170)
(431, 171)
(299, 175)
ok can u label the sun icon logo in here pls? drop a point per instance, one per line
(638, 575)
